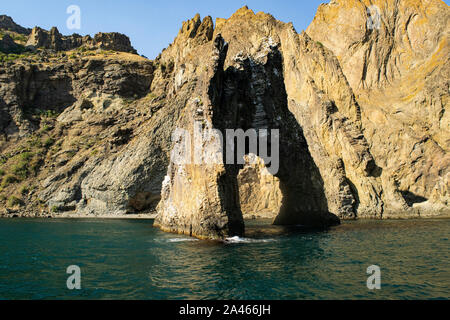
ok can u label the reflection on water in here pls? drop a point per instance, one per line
(126, 259)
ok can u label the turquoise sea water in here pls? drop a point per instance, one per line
(129, 259)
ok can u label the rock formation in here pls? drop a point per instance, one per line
(359, 101)
(7, 23)
(259, 191)
(7, 44)
(112, 41)
(399, 70)
(40, 38)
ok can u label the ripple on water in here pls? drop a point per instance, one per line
(247, 240)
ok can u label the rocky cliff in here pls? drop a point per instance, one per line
(359, 101)
(7, 23)
(40, 38)
(397, 63)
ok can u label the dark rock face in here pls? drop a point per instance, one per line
(8, 45)
(7, 23)
(113, 41)
(27, 87)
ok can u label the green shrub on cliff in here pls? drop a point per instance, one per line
(20, 169)
(48, 142)
(6, 57)
(7, 180)
(34, 142)
(24, 190)
(26, 156)
(14, 201)
(48, 114)
(19, 37)
(23, 164)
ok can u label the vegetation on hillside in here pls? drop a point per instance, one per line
(24, 162)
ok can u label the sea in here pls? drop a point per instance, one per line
(130, 259)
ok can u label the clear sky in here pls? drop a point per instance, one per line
(151, 24)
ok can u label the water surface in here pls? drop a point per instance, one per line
(129, 259)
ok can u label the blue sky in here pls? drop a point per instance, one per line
(151, 24)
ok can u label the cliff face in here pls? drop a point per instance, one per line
(361, 114)
(399, 69)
